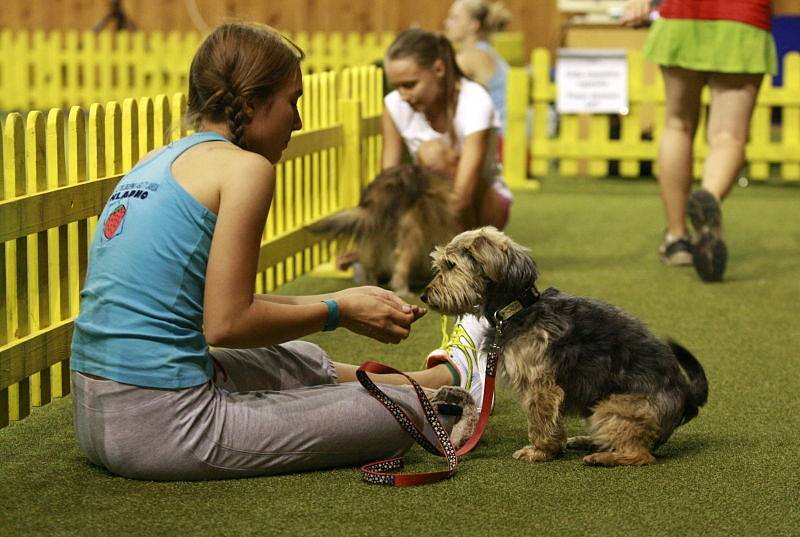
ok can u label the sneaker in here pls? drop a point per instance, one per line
(462, 349)
(676, 252)
(709, 253)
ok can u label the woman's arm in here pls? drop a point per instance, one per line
(233, 317)
(467, 178)
(392, 142)
(637, 13)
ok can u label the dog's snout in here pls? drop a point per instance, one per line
(424, 295)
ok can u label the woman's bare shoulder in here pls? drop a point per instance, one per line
(476, 64)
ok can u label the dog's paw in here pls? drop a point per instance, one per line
(582, 443)
(532, 454)
(400, 286)
(615, 458)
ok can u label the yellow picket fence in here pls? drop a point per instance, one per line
(58, 169)
(583, 145)
(57, 173)
(40, 70)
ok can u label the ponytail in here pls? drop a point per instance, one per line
(491, 16)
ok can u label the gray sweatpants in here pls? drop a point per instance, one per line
(279, 410)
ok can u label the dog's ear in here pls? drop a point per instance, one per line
(485, 247)
(414, 182)
(500, 257)
(520, 268)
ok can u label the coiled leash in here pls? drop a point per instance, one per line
(385, 472)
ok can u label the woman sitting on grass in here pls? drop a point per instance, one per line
(173, 271)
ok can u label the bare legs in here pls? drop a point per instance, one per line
(682, 90)
(733, 97)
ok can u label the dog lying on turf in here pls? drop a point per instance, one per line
(403, 214)
(564, 354)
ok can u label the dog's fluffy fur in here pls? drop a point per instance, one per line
(570, 355)
(403, 214)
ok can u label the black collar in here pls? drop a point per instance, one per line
(528, 298)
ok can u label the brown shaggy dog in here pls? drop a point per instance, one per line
(403, 214)
(565, 354)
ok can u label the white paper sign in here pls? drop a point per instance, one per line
(592, 81)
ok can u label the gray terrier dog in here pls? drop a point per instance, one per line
(564, 354)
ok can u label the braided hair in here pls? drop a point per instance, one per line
(238, 61)
(425, 48)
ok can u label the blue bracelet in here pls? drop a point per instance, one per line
(333, 315)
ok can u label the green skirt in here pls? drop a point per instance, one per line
(711, 45)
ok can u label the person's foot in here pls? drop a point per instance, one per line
(709, 253)
(675, 252)
(462, 351)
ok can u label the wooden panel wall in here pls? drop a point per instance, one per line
(539, 19)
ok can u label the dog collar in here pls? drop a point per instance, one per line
(528, 298)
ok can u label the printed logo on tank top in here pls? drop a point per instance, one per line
(125, 192)
(113, 224)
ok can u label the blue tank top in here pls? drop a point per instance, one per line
(497, 85)
(141, 314)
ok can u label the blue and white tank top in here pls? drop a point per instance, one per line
(141, 313)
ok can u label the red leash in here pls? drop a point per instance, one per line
(385, 472)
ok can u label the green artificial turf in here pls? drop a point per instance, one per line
(731, 471)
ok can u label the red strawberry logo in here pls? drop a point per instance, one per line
(114, 221)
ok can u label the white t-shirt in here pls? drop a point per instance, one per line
(474, 112)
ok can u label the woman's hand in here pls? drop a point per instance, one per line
(377, 313)
(637, 12)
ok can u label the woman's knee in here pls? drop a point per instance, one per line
(684, 123)
(731, 138)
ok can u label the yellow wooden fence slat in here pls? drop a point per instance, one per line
(541, 148)
(15, 402)
(113, 138)
(56, 244)
(146, 113)
(790, 135)
(38, 310)
(4, 294)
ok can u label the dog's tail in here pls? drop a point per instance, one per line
(344, 224)
(698, 384)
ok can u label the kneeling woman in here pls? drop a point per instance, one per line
(447, 122)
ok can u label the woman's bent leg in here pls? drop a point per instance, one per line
(209, 432)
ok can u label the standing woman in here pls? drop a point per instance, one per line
(447, 122)
(728, 46)
(468, 25)
(171, 271)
